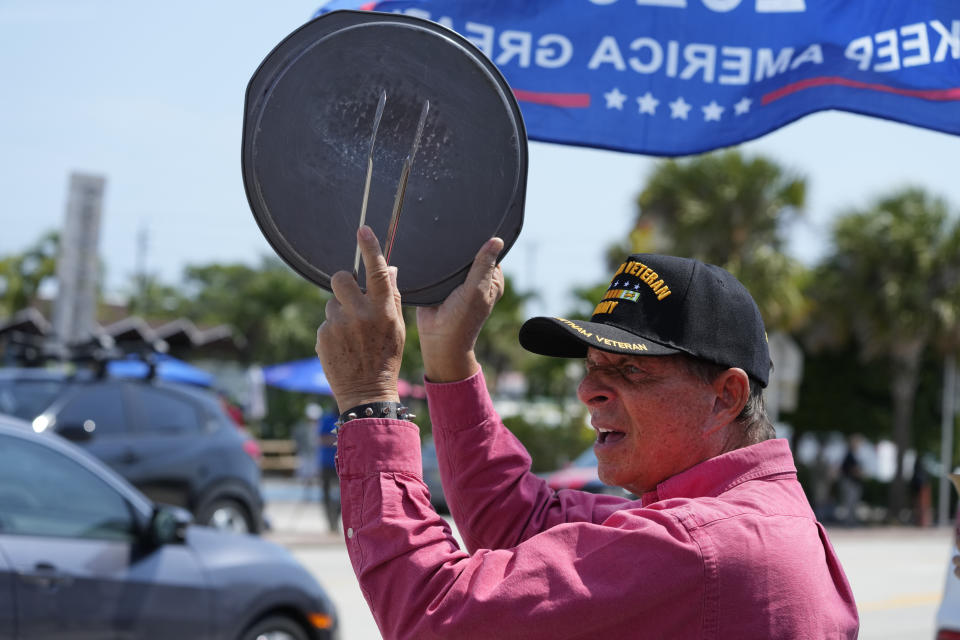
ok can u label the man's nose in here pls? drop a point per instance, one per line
(592, 392)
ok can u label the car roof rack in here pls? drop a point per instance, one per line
(28, 350)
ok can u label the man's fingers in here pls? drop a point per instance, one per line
(499, 280)
(392, 271)
(378, 277)
(345, 289)
(485, 264)
(332, 309)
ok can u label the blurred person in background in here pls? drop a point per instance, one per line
(305, 440)
(922, 494)
(851, 480)
(326, 454)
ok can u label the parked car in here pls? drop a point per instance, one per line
(948, 615)
(83, 554)
(582, 474)
(173, 441)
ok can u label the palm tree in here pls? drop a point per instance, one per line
(892, 282)
(729, 210)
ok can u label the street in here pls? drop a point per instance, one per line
(897, 574)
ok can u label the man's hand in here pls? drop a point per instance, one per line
(448, 332)
(360, 344)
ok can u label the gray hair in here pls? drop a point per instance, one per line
(753, 417)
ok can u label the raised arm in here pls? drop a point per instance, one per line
(494, 498)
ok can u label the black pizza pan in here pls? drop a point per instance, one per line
(309, 115)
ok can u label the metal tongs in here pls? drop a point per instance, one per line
(401, 185)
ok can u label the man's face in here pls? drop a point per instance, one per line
(650, 414)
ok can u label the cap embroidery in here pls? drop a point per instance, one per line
(625, 289)
(605, 306)
(646, 275)
(575, 327)
(634, 346)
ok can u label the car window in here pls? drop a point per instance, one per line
(26, 399)
(96, 408)
(45, 493)
(163, 412)
(210, 405)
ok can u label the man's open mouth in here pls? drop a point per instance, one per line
(609, 436)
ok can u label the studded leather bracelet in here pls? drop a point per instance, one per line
(391, 410)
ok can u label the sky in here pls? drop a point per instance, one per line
(150, 96)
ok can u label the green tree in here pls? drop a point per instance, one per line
(732, 211)
(22, 274)
(274, 309)
(892, 283)
(498, 349)
(151, 298)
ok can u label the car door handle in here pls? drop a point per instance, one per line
(45, 576)
(129, 457)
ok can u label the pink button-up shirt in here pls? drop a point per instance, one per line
(727, 549)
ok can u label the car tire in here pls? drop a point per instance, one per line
(275, 628)
(225, 514)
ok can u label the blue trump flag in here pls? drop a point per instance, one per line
(675, 77)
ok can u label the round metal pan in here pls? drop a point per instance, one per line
(308, 119)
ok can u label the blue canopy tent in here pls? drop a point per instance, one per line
(299, 375)
(307, 376)
(168, 368)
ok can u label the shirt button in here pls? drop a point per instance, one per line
(350, 532)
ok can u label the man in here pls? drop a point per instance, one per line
(851, 480)
(722, 543)
(326, 463)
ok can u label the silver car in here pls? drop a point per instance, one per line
(85, 555)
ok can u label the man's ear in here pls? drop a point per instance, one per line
(732, 390)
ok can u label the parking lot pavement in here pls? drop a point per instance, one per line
(897, 576)
(296, 516)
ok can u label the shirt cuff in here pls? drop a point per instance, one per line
(376, 445)
(457, 405)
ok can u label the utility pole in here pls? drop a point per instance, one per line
(946, 437)
(143, 243)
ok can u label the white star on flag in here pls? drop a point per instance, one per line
(647, 103)
(712, 111)
(615, 99)
(637, 286)
(679, 108)
(743, 106)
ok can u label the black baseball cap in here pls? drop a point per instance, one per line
(661, 305)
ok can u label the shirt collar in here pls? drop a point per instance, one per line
(716, 475)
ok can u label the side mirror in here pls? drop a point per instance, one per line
(168, 525)
(76, 432)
